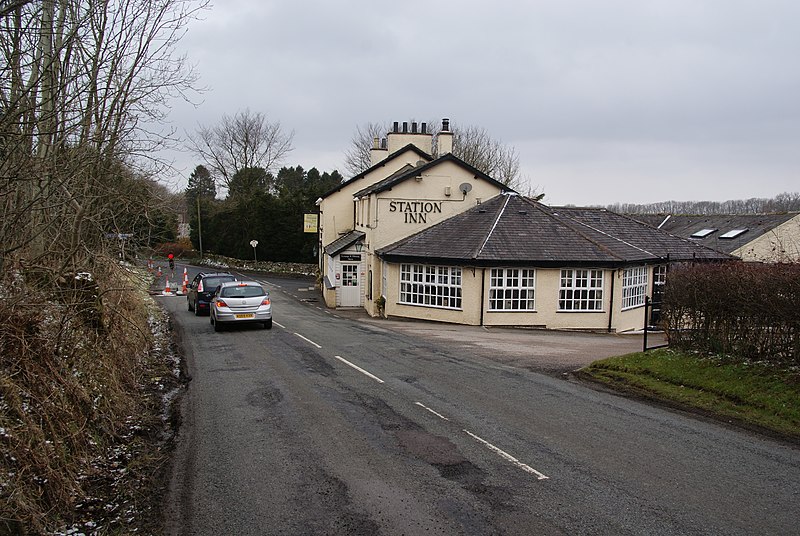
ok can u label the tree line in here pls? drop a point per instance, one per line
(258, 206)
(784, 202)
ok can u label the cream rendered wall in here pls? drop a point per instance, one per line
(546, 314)
(398, 140)
(336, 210)
(470, 306)
(548, 281)
(387, 227)
(782, 244)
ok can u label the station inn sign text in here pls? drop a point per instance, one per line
(415, 211)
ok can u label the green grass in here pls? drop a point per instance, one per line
(752, 394)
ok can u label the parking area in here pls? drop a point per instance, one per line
(532, 349)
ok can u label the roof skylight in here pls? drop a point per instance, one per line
(733, 233)
(702, 233)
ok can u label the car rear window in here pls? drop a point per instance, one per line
(210, 283)
(244, 291)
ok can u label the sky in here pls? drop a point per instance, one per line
(614, 101)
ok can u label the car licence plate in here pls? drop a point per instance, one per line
(245, 315)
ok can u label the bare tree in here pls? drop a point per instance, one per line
(474, 145)
(76, 79)
(357, 156)
(246, 140)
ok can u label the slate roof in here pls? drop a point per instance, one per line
(684, 226)
(343, 242)
(513, 230)
(408, 172)
(410, 147)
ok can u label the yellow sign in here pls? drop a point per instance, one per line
(310, 223)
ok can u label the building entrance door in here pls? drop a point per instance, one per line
(351, 287)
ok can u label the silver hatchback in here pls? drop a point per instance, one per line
(238, 302)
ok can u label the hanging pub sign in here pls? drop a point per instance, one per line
(310, 222)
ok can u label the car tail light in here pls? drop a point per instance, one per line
(221, 303)
(265, 301)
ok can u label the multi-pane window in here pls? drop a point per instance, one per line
(581, 290)
(634, 286)
(434, 286)
(511, 289)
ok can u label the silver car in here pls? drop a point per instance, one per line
(238, 302)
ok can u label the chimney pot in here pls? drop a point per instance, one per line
(424, 127)
(445, 125)
(405, 127)
(396, 127)
(414, 127)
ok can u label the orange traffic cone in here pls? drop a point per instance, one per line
(166, 288)
(185, 281)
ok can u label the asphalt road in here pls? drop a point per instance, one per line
(334, 424)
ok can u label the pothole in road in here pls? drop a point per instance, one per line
(441, 453)
(264, 397)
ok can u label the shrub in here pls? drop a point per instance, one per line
(744, 309)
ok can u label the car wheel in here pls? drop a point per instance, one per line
(268, 324)
(196, 310)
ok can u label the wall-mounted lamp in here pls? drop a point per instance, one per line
(418, 178)
(359, 246)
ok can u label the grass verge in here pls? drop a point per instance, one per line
(754, 395)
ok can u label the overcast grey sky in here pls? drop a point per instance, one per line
(605, 101)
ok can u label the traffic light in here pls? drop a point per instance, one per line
(171, 258)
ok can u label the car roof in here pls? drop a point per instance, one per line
(215, 274)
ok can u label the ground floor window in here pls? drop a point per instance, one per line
(434, 286)
(512, 289)
(634, 286)
(581, 290)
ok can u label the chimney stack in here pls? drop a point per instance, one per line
(444, 140)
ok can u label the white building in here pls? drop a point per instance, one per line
(433, 238)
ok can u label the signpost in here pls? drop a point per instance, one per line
(254, 243)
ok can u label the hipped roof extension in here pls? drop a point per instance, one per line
(513, 230)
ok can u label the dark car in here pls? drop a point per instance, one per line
(200, 291)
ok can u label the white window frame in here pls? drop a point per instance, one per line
(512, 290)
(431, 286)
(580, 290)
(634, 287)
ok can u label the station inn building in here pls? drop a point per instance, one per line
(431, 237)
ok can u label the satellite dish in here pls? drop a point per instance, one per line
(465, 187)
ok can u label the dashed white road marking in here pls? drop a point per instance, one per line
(361, 370)
(279, 325)
(308, 340)
(507, 456)
(420, 404)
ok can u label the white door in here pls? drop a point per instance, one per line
(351, 286)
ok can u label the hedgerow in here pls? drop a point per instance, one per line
(748, 310)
